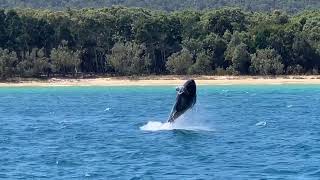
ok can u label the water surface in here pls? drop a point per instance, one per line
(235, 132)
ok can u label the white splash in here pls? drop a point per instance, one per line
(157, 126)
(261, 123)
(107, 109)
(181, 123)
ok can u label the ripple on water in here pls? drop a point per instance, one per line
(235, 132)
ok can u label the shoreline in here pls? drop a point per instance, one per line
(163, 81)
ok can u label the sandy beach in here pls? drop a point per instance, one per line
(163, 80)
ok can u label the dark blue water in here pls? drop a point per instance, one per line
(235, 132)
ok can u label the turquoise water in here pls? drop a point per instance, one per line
(234, 132)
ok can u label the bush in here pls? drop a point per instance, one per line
(266, 62)
(203, 64)
(180, 62)
(129, 59)
(64, 60)
(8, 62)
(241, 59)
(34, 64)
(220, 71)
(295, 69)
(232, 71)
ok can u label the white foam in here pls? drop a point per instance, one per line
(180, 123)
(157, 126)
(261, 123)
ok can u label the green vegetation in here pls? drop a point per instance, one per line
(180, 62)
(64, 60)
(136, 41)
(168, 5)
(266, 62)
(129, 59)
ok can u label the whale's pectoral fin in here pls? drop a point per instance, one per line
(180, 89)
(171, 119)
(174, 114)
(194, 101)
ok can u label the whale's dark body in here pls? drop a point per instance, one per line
(186, 99)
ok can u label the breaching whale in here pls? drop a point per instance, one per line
(186, 99)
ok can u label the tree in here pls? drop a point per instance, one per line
(34, 63)
(203, 64)
(64, 60)
(225, 19)
(179, 63)
(212, 44)
(150, 37)
(241, 59)
(166, 5)
(8, 62)
(16, 35)
(234, 42)
(129, 59)
(304, 54)
(280, 17)
(266, 62)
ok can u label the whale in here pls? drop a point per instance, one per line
(186, 98)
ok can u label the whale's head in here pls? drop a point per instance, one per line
(190, 88)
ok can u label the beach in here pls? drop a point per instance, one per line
(162, 80)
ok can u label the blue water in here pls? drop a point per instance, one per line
(234, 132)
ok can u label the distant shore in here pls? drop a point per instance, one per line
(163, 80)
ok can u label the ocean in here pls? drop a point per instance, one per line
(233, 132)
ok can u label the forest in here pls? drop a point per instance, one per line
(168, 5)
(122, 41)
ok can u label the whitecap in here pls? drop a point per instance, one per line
(107, 109)
(261, 123)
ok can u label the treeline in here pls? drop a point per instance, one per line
(169, 5)
(135, 41)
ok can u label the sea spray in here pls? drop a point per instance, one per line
(183, 123)
(157, 126)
